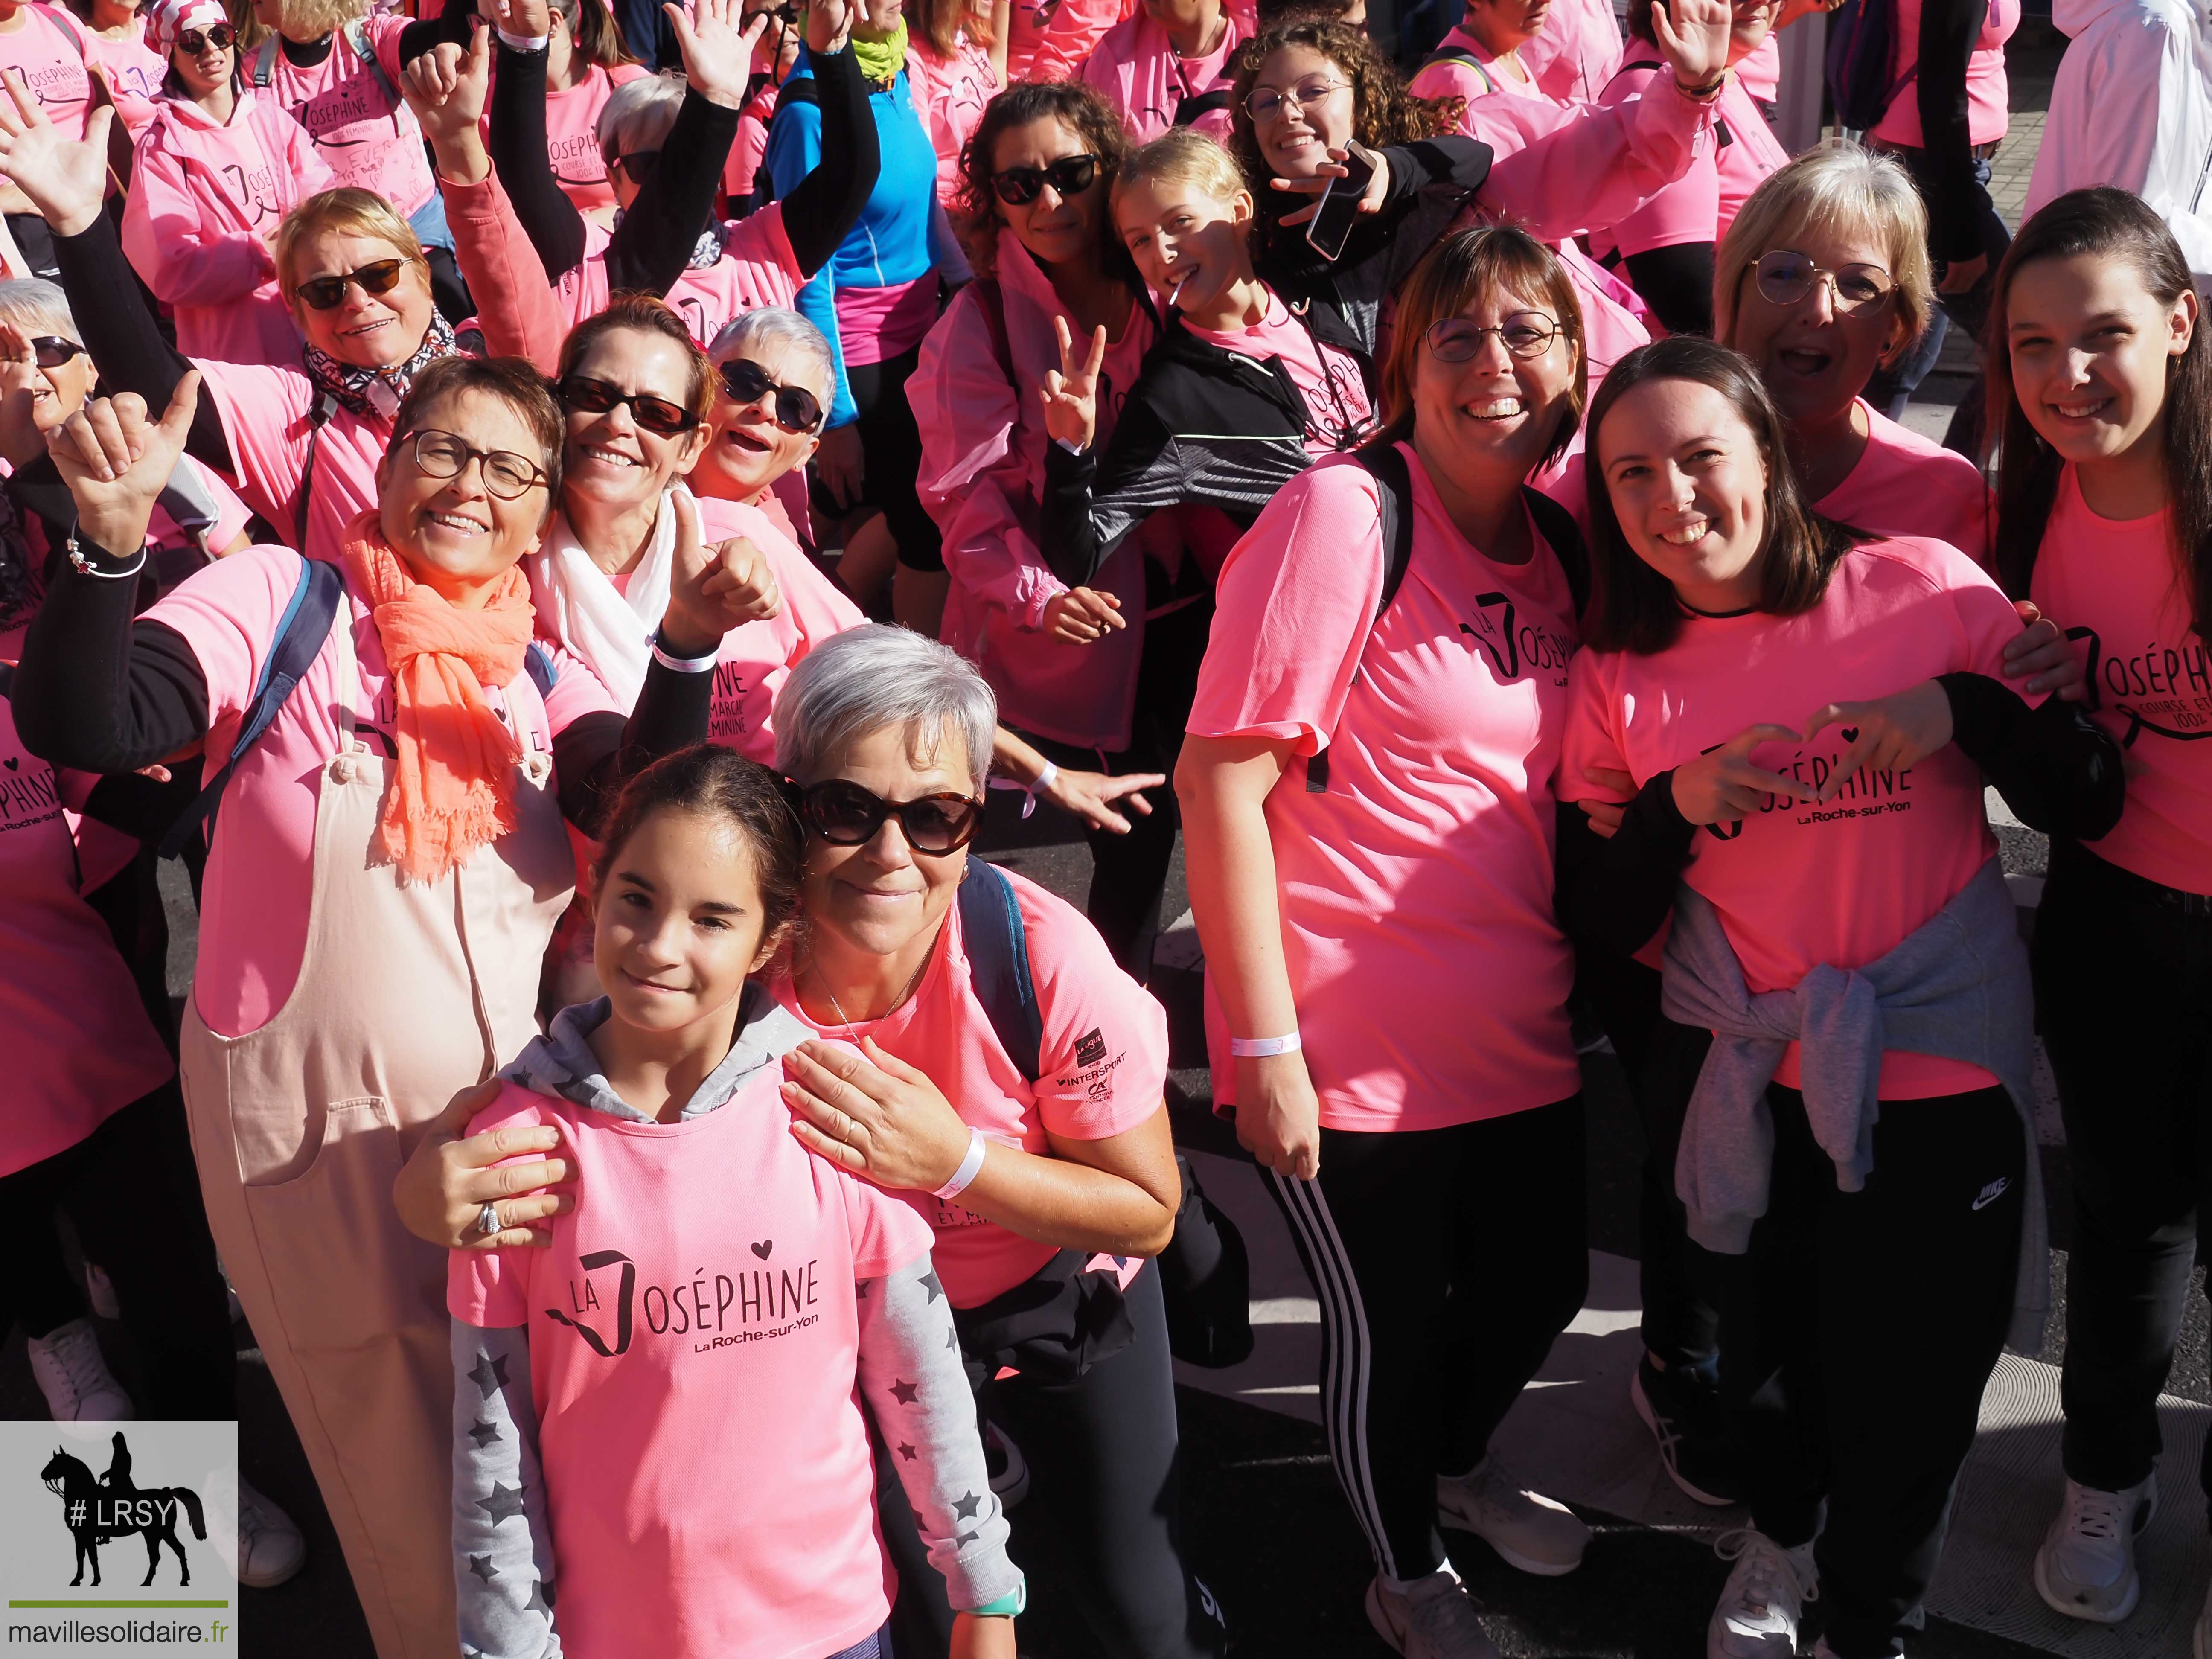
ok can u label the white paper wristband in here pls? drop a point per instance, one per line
(683, 664)
(1261, 1048)
(969, 1167)
(1044, 780)
(523, 42)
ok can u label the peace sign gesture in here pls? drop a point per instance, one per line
(1071, 394)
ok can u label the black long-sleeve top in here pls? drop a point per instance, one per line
(2057, 769)
(98, 691)
(1956, 200)
(650, 245)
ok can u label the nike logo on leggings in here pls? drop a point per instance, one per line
(1991, 1193)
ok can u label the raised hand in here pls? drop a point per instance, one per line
(828, 22)
(717, 43)
(64, 180)
(1899, 730)
(1694, 36)
(1070, 393)
(525, 20)
(712, 589)
(448, 88)
(1723, 784)
(116, 462)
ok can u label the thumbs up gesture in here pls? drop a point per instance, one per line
(712, 588)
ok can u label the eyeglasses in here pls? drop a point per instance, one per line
(639, 164)
(325, 293)
(193, 42)
(51, 351)
(582, 395)
(443, 455)
(1785, 276)
(1524, 334)
(1266, 104)
(797, 410)
(844, 814)
(1071, 175)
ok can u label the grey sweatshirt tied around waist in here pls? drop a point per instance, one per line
(1956, 987)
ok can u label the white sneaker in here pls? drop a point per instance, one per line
(73, 1374)
(100, 1290)
(269, 1548)
(1765, 1598)
(2086, 1566)
(1433, 1620)
(1529, 1531)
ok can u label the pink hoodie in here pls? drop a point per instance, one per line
(1576, 51)
(983, 472)
(202, 197)
(949, 94)
(1137, 68)
(1051, 38)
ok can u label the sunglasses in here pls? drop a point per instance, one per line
(193, 42)
(1785, 276)
(1071, 175)
(797, 410)
(507, 475)
(581, 395)
(51, 351)
(1524, 334)
(326, 292)
(639, 164)
(844, 814)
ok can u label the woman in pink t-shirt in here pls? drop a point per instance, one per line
(128, 65)
(585, 62)
(1367, 826)
(1667, 244)
(1800, 718)
(219, 165)
(597, 1403)
(2101, 394)
(955, 65)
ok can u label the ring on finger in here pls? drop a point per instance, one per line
(487, 1221)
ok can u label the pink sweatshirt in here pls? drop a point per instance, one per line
(982, 472)
(203, 197)
(1051, 38)
(1702, 205)
(1576, 51)
(949, 94)
(1137, 68)
(367, 138)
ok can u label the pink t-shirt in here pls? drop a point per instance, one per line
(79, 1045)
(1430, 972)
(572, 143)
(368, 138)
(1761, 72)
(1907, 485)
(1702, 205)
(265, 410)
(757, 657)
(1147, 81)
(1104, 1054)
(260, 873)
(694, 1341)
(879, 324)
(51, 52)
(758, 268)
(2113, 585)
(1843, 882)
(132, 72)
(1986, 89)
(1338, 411)
(949, 94)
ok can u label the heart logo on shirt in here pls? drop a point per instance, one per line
(1850, 733)
(13, 763)
(763, 1248)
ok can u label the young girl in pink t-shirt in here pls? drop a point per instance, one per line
(2102, 401)
(1800, 718)
(678, 1394)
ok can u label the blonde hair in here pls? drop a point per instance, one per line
(1840, 189)
(313, 19)
(1181, 157)
(349, 213)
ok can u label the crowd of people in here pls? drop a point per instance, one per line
(557, 514)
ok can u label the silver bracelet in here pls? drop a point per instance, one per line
(86, 567)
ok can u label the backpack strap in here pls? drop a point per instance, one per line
(1465, 59)
(62, 19)
(991, 299)
(264, 62)
(300, 635)
(997, 949)
(543, 674)
(357, 37)
(1200, 104)
(327, 405)
(1394, 491)
(1557, 527)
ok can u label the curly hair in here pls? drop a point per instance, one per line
(1083, 111)
(1383, 112)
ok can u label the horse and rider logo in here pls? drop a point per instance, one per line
(99, 1510)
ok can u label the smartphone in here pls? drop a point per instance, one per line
(1331, 227)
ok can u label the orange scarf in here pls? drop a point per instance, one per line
(455, 787)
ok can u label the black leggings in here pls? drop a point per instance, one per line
(1102, 1453)
(1446, 1261)
(130, 1189)
(891, 454)
(1857, 1336)
(1129, 874)
(2123, 982)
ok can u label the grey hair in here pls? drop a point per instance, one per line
(774, 325)
(875, 676)
(37, 306)
(639, 115)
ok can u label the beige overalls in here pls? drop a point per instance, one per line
(406, 995)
